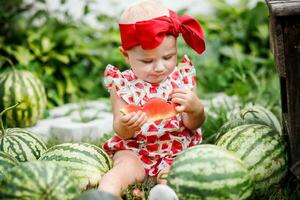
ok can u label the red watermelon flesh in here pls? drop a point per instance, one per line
(155, 109)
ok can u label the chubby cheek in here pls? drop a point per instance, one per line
(171, 65)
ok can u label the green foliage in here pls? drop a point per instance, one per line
(238, 59)
(68, 55)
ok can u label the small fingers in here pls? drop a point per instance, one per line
(180, 108)
(178, 100)
(179, 95)
(140, 120)
(137, 120)
(125, 118)
(181, 90)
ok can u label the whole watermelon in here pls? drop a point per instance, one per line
(21, 144)
(262, 150)
(86, 162)
(6, 162)
(209, 172)
(255, 114)
(95, 195)
(22, 86)
(38, 180)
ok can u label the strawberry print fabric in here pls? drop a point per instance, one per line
(156, 143)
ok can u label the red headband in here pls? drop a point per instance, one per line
(150, 33)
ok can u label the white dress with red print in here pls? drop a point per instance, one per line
(156, 143)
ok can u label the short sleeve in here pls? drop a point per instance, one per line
(114, 78)
(187, 71)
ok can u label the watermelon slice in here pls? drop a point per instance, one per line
(155, 109)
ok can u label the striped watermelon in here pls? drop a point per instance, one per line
(22, 144)
(87, 162)
(38, 180)
(22, 86)
(251, 115)
(209, 172)
(262, 149)
(95, 195)
(6, 162)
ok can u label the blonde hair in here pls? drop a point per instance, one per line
(143, 10)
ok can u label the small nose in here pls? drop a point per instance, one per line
(159, 67)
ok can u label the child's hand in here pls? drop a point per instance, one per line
(186, 99)
(134, 120)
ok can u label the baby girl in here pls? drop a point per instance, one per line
(143, 147)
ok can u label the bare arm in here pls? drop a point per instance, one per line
(191, 107)
(125, 125)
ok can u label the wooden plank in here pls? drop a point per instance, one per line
(276, 37)
(296, 169)
(291, 41)
(284, 7)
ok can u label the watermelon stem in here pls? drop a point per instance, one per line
(248, 111)
(9, 61)
(2, 113)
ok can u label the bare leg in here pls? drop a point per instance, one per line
(127, 169)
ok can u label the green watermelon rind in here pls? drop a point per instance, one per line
(22, 144)
(86, 162)
(262, 149)
(209, 172)
(95, 195)
(22, 86)
(36, 180)
(251, 115)
(6, 163)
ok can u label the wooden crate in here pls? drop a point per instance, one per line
(285, 42)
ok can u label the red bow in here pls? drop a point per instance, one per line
(150, 33)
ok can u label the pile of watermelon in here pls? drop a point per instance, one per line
(249, 156)
(30, 171)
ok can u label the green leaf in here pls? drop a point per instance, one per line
(239, 88)
(86, 9)
(60, 57)
(49, 69)
(47, 45)
(70, 87)
(52, 96)
(23, 55)
(60, 87)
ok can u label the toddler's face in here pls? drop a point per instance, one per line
(154, 65)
